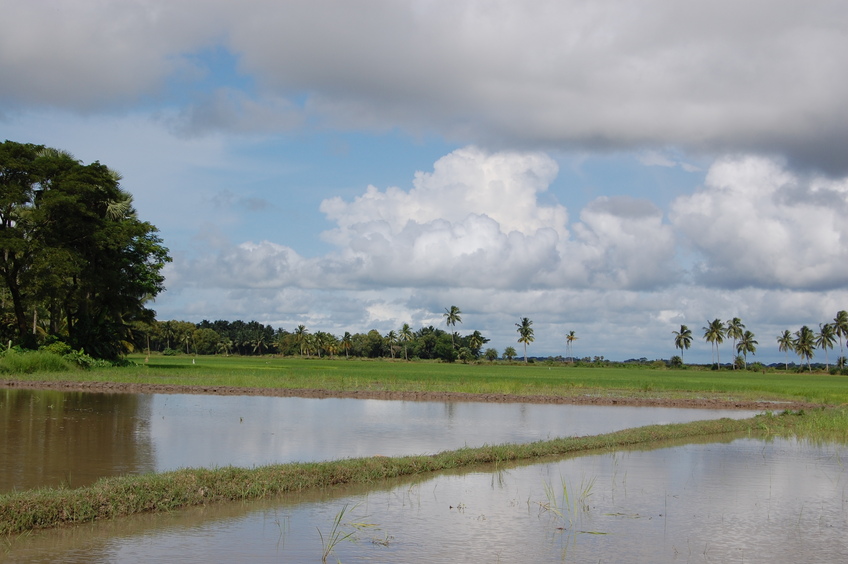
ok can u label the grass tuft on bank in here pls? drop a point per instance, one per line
(112, 498)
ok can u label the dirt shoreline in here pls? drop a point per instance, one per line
(646, 401)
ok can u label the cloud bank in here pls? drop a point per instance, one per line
(762, 77)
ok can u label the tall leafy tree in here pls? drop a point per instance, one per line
(746, 344)
(452, 317)
(72, 246)
(734, 331)
(825, 339)
(714, 334)
(785, 343)
(804, 345)
(682, 339)
(525, 334)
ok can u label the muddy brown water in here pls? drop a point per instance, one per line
(72, 438)
(740, 499)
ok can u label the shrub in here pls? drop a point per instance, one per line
(56, 347)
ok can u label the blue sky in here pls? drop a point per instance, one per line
(611, 168)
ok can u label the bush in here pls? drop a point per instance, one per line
(83, 360)
(56, 347)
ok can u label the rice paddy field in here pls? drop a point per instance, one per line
(542, 378)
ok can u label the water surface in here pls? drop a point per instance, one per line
(742, 500)
(72, 438)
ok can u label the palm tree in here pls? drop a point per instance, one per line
(391, 341)
(301, 337)
(825, 340)
(840, 325)
(804, 344)
(525, 334)
(746, 345)
(682, 339)
(452, 317)
(406, 335)
(714, 334)
(569, 345)
(735, 329)
(475, 341)
(509, 353)
(347, 343)
(785, 344)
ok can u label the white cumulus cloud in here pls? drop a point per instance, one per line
(758, 224)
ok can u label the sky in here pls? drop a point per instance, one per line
(611, 168)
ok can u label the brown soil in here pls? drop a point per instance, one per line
(648, 401)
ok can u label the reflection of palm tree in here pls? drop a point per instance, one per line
(682, 339)
(746, 345)
(569, 345)
(785, 344)
(825, 340)
(525, 334)
(714, 334)
(804, 345)
(735, 330)
(452, 317)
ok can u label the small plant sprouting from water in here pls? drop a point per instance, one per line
(336, 535)
(572, 504)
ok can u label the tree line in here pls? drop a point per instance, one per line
(802, 342)
(77, 265)
(254, 338)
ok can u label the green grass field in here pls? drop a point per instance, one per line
(340, 374)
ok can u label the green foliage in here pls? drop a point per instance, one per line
(73, 251)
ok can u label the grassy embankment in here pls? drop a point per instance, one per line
(557, 380)
(115, 497)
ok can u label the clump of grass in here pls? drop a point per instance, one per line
(30, 362)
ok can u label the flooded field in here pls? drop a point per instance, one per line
(50, 438)
(738, 500)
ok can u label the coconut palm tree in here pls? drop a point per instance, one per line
(391, 341)
(734, 330)
(452, 317)
(569, 345)
(714, 334)
(804, 344)
(301, 337)
(509, 353)
(682, 339)
(825, 340)
(406, 335)
(746, 345)
(525, 334)
(840, 326)
(785, 344)
(347, 343)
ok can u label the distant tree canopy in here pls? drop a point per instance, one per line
(254, 338)
(76, 263)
